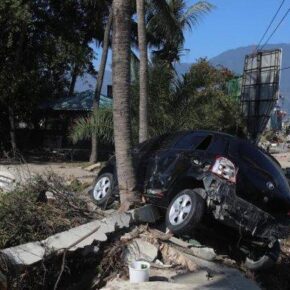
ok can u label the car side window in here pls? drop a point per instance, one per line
(189, 142)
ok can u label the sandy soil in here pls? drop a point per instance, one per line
(283, 158)
(67, 170)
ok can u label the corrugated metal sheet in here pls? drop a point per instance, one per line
(79, 102)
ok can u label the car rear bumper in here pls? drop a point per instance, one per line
(238, 213)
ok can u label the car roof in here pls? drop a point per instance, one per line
(207, 132)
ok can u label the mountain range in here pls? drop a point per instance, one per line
(233, 59)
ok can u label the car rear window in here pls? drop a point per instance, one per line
(256, 158)
(189, 142)
(154, 144)
(219, 145)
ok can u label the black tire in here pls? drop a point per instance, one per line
(266, 261)
(192, 218)
(108, 197)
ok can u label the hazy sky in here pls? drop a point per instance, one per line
(233, 23)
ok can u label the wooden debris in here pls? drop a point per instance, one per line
(175, 257)
(93, 167)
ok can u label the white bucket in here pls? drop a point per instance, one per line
(139, 271)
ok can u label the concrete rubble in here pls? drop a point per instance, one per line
(200, 251)
(96, 231)
(172, 260)
(206, 275)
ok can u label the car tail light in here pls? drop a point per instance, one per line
(225, 169)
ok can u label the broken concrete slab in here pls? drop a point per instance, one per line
(205, 253)
(139, 249)
(26, 254)
(124, 285)
(214, 275)
(204, 280)
(79, 237)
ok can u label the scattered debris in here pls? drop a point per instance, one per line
(175, 257)
(139, 249)
(27, 216)
(93, 167)
(7, 181)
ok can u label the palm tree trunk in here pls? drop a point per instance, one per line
(121, 106)
(143, 72)
(100, 79)
(12, 130)
(73, 81)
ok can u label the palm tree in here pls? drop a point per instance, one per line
(143, 72)
(167, 23)
(121, 108)
(101, 72)
(167, 20)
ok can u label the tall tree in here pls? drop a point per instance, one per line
(100, 78)
(167, 22)
(121, 106)
(143, 72)
(40, 41)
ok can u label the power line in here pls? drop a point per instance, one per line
(285, 68)
(274, 17)
(283, 18)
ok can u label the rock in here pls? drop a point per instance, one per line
(139, 249)
(7, 180)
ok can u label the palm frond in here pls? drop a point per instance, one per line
(194, 13)
(101, 123)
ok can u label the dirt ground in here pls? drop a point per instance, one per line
(66, 170)
(283, 158)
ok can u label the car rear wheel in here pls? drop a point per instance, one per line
(184, 212)
(102, 192)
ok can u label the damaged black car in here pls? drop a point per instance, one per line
(201, 175)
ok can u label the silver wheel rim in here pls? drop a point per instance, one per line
(102, 188)
(180, 209)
